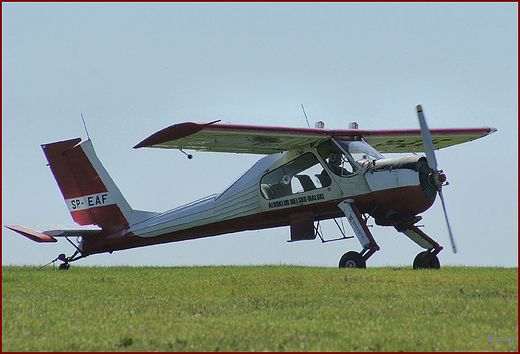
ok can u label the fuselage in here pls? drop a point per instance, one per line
(315, 180)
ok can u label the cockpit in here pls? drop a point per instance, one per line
(343, 158)
(302, 174)
(360, 151)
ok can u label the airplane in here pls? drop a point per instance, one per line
(307, 175)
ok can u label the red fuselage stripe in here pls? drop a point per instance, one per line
(411, 199)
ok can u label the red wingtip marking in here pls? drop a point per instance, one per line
(172, 132)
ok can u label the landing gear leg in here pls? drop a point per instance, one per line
(427, 259)
(359, 225)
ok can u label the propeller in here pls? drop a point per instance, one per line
(438, 178)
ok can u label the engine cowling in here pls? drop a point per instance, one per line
(401, 185)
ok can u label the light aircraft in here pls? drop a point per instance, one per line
(308, 175)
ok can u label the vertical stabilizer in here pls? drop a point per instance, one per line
(90, 193)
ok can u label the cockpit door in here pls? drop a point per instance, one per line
(299, 181)
(342, 167)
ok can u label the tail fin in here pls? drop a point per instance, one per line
(90, 193)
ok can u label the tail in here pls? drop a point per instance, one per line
(90, 193)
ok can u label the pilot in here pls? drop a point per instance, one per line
(335, 165)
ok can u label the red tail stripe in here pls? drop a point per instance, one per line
(72, 169)
(107, 216)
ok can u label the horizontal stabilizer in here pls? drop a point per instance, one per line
(48, 233)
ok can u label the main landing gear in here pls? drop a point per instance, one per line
(425, 260)
(354, 259)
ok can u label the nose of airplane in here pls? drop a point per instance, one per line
(403, 184)
(442, 177)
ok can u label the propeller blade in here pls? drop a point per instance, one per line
(447, 222)
(427, 140)
(432, 162)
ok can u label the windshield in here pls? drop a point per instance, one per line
(336, 159)
(360, 151)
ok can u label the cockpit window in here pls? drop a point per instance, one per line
(360, 150)
(336, 159)
(302, 174)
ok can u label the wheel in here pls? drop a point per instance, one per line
(64, 266)
(352, 259)
(433, 264)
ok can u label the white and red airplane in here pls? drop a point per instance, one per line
(308, 175)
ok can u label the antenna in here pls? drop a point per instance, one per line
(83, 119)
(305, 116)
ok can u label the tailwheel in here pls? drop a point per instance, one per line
(64, 266)
(426, 260)
(66, 260)
(352, 259)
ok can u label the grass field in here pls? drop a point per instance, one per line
(259, 308)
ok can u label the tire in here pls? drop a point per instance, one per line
(433, 264)
(352, 259)
(64, 266)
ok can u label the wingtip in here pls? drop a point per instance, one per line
(419, 108)
(172, 132)
(31, 234)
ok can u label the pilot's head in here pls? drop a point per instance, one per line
(334, 159)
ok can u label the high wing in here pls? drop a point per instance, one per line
(48, 233)
(409, 140)
(271, 139)
(234, 138)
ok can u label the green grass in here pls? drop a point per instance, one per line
(258, 308)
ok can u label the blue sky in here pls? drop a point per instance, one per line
(134, 68)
